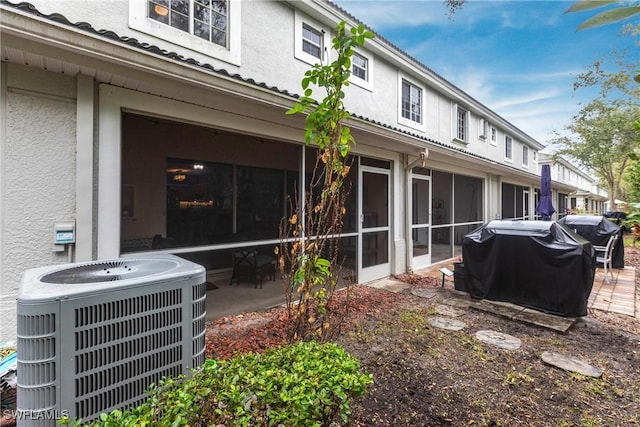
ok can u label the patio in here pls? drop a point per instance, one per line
(618, 296)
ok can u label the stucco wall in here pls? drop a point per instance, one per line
(38, 176)
(267, 54)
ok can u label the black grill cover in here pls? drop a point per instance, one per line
(597, 230)
(537, 264)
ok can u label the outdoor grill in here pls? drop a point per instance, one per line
(597, 230)
(537, 264)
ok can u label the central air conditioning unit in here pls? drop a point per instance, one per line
(93, 336)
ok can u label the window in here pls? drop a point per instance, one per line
(483, 128)
(359, 66)
(411, 102)
(209, 27)
(525, 156)
(535, 156)
(362, 70)
(204, 19)
(461, 119)
(508, 147)
(312, 41)
(494, 136)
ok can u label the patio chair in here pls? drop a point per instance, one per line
(604, 255)
(248, 264)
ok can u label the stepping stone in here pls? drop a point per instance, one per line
(458, 302)
(549, 321)
(447, 310)
(571, 363)
(390, 285)
(425, 293)
(447, 323)
(527, 315)
(498, 339)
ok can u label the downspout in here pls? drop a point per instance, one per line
(407, 205)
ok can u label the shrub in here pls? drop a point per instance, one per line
(303, 384)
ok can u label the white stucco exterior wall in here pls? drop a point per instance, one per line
(38, 177)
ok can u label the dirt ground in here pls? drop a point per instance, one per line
(426, 376)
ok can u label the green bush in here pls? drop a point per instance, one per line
(303, 384)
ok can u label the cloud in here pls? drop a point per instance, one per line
(534, 96)
(519, 58)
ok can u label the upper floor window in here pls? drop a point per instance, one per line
(411, 98)
(311, 40)
(508, 147)
(494, 136)
(525, 156)
(411, 102)
(483, 128)
(360, 66)
(362, 69)
(206, 19)
(461, 126)
(208, 27)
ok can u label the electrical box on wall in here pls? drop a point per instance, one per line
(64, 232)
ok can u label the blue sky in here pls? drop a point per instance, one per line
(519, 58)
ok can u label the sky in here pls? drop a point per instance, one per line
(518, 58)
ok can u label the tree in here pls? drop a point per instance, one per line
(615, 14)
(605, 141)
(309, 253)
(632, 174)
(453, 6)
(605, 135)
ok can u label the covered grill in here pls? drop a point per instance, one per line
(597, 230)
(538, 264)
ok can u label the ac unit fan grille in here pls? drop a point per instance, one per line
(108, 271)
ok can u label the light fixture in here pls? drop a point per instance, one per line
(160, 10)
(179, 177)
(198, 166)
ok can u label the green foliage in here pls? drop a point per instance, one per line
(603, 135)
(304, 384)
(309, 249)
(609, 16)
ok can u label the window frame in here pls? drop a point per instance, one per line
(459, 118)
(483, 128)
(525, 156)
(508, 148)
(405, 120)
(368, 83)
(231, 54)
(300, 21)
(493, 136)
(306, 41)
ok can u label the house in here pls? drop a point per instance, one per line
(575, 189)
(130, 120)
